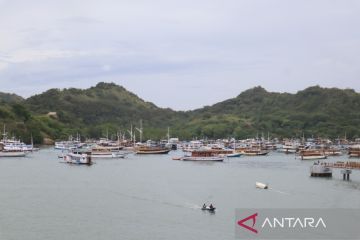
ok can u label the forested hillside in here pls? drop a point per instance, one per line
(108, 107)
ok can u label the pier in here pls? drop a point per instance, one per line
(346, 167)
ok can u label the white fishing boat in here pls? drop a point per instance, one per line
(193, 145)
(14, 147)
(105, 152)
(109, 155)
(289, 147)
(7, 153)
(70, 144)
(10, 152)
(78, 158)
(203, 156)
(261, 185)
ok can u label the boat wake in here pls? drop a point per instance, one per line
(186, 205)
(278, 191)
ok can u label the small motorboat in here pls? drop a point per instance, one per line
(261, 185)
(208, 209)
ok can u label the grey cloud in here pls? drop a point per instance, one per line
(206, 50)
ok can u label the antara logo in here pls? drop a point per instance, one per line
(285, 222)
(242, 223)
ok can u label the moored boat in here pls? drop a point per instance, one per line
(203, 156)
(354, 151)
(233, 155)
(312, 155)
(254, 152)
(11, 153)
(105, 152)
(78, 158)
(152, 150)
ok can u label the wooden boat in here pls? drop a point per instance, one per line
(204, 156)
(152, 150)
(354, 151)
(332, 152)
(255, 152)
(312, 155)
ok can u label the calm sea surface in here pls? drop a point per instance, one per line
(154, 197)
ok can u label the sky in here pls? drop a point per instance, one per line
(182, 54)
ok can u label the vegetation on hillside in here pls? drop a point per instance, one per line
(108, 107)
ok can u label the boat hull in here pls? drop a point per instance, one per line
(233, 155)
(12, 154)
(256, 154)
(154, 152)
(313, 157)
(261, 185)
(108, 155)
(78, 159)
(203, 159)
(208, 209)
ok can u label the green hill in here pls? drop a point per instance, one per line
(10, 98)
(314, 111)
(325, 112)
(105, 107)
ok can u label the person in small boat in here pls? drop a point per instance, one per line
(211, 206)
(204, 206)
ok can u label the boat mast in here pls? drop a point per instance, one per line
(168, 134)
(4, 135)
(140, 130)
(131, 133)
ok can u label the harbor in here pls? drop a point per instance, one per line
(167, 193)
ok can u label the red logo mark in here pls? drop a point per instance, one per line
(253, 217)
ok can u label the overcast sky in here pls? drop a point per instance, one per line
(182, 54)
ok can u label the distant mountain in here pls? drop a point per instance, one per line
(107, 107)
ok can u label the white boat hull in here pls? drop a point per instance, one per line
(77, 159)
(313, 157)
(12, 154)
(288, 150)
(261, 185)
(112, 155)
